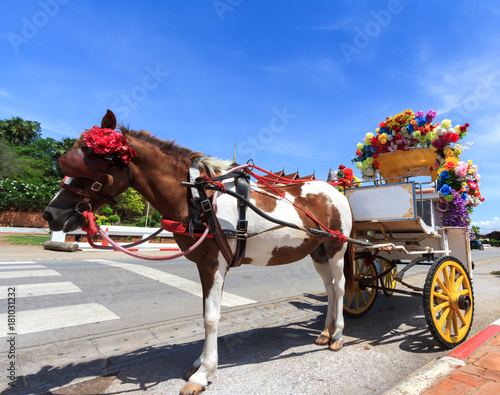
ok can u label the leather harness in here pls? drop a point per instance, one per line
(201, 203)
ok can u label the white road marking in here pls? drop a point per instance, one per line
(26, 290)
(192, 287)
(16, 262)
(17, 267)
(28, 273)
(32, 321)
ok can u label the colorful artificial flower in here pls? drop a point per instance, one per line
(457, 182)
(107, 142)
(403, 132)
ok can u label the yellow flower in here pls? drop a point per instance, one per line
(359, 145)
(449, 152)
(359, 165)
(369, 136)
(446, 123)
(457, 151)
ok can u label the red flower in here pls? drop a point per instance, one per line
(107, 142)
(452, 137)
(348, 173)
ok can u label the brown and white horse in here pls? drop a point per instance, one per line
(157, 172)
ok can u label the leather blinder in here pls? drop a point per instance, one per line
(76, 164)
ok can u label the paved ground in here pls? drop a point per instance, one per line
(118, 366)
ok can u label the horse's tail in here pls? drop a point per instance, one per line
(349, 265)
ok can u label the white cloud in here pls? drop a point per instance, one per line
(489, 225)
(5, 94)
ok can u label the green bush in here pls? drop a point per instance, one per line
(20, 194)
(114, 218)
(494, 243)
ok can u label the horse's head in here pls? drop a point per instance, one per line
(96, 172)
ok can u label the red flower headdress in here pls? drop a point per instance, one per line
(109, 141)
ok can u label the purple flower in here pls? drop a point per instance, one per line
(456, 213)
(431, 114)
(419, 114)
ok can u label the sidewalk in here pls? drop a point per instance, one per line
(471, 368)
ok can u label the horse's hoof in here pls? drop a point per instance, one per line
(336, 346)
(192, 389)
(190, 372)
(322, 340)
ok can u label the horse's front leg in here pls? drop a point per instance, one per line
(212, 280)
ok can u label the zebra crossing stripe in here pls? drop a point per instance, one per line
(16, 262)
(31, 321)
(28, 273)
(18, 267)
(26, 290)
(192, 287)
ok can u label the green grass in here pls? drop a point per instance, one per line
(25, 240)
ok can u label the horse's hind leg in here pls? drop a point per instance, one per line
(331, 271)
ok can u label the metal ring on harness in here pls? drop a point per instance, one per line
(83, 202)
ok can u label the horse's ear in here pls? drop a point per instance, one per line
(109, 121)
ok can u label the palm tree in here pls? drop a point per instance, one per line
(17, 131)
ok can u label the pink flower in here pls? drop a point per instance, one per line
(461, 169)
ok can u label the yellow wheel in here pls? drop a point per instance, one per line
(448, 301)
(388, 281)
(365, 292)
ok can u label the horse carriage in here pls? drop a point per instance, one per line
(400, 217)
(221, 220)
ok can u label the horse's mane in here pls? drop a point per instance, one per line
(212, 165)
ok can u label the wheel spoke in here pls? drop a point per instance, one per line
(455, 323)
(458, 283)
(446, 276)
(461, 318)
(442, 286)
(349, 299)
(443, 317)
(441, 306)
(440, 295)
(448, 325)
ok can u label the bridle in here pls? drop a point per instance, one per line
(76, 164)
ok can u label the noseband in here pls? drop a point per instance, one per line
(76, 164)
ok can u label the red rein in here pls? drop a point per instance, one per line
(93, 229)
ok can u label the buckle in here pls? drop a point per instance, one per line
(96, 186)
(206, 205)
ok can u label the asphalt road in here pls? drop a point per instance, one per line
(269, 323)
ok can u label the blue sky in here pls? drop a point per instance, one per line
(296, 84)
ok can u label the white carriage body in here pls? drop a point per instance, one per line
(405, 222)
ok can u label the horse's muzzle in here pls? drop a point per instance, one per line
(65, 220)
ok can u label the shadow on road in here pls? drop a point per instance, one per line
(398, 319)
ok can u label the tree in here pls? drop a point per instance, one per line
(475, 229)
(130, 202)
(18, 131)
(11, 165)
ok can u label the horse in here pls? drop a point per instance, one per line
(156, 169)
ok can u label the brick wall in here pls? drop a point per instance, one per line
(26, 219)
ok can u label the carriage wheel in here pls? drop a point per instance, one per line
(363, 297)
(388, 281)
(448, 301)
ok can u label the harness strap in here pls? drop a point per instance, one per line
(195, 221)
(243, 189)
(89, 194)
(212, 221)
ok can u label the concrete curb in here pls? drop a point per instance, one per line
(424, 378)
